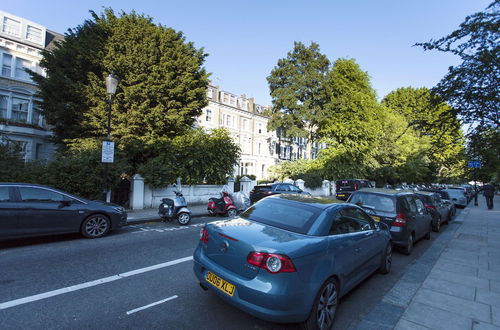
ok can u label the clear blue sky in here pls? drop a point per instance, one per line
(245, 39)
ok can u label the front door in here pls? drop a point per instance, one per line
(44, 211)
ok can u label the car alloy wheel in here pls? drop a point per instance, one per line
(231, 212)
(409, 245)
(327, 306)
(183, 218)
(95, 226)
(386, 265)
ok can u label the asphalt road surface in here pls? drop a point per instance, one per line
(139, 277)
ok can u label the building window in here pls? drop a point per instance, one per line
(259, 128)
(233, 100)
(37, 118)
(244, 124)
(258, 149)
(11, 26)
(18, 146)
(209, 115)
(19, 110)
(34, 34)
(225, 98)
(6, 65)
(210, 93)
(3, 107)
(229, 121)
(21, 65)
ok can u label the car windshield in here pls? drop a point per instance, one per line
(455, 193)
(284, 214)
(374, 201)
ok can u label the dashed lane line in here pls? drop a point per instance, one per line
(45, 295)
(151, 305)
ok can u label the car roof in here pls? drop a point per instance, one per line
(426, 193)
(319, 202)
(383, 191)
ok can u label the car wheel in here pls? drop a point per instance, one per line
(211, 212)
(231, 212)
(409, 245)
(183, 218)
(428, 235)
(324, 308)
(386, 262)
(437, 226)
(95, 226)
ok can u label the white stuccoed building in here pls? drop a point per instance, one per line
(21, 121)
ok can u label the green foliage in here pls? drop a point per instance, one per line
(196, 157)
(472, 86)
(291, 169)
(11, 164)
(311, 180)
(162, 82)
(297, 89)
(485, 146)
(431, 119)
(80, 173)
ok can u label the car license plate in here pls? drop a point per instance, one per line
(220, 284)
(341, 195)
(377, 219)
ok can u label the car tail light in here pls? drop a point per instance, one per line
(268, 192)
(273, 263)
(400, 220)
(355, 186)
(204, 235)
(430, 206)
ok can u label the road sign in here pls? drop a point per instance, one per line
(108, 152)
(474, 164)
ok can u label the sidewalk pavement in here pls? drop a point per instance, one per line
(147, 215)
(455, 284)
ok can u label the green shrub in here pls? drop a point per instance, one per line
(311, 180)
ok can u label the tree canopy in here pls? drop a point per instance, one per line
(297, 87)
(162, 86)
(472, 86)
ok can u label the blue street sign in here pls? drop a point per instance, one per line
(474, 164)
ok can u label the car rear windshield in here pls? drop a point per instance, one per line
(374, 201)
(262, 188)
(284, 214)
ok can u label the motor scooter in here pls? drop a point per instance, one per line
(176, 208)
(222, 206)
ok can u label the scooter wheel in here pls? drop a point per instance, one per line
(231, 212)
(184, 218)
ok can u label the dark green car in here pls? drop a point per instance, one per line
(35, 210)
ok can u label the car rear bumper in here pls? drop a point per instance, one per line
(287, 300)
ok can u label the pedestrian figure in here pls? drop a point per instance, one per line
(489, 192)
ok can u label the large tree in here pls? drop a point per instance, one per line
(428, 116)
(472, 86)
(351, 124)
(162, 81)
(297, 89)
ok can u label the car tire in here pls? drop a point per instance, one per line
(95, 226)
(183, 218)
(231, 212)
(408, 248)
(437, 226)
(428, 235)
(386, 262)
(324, 307)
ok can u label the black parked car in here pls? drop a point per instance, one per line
(446, 199)
(441, 213)
(35, 210)
(263, 190)
(402, 211)
(345, 187)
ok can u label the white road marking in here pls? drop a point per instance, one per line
(25, 300)
(151, 305)
(149, 229)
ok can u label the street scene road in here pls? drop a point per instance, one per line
(140, 277)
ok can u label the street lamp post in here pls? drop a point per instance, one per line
(108, 145)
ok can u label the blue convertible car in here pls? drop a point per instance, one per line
(289, 258)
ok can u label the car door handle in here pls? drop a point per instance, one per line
(369, 233)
